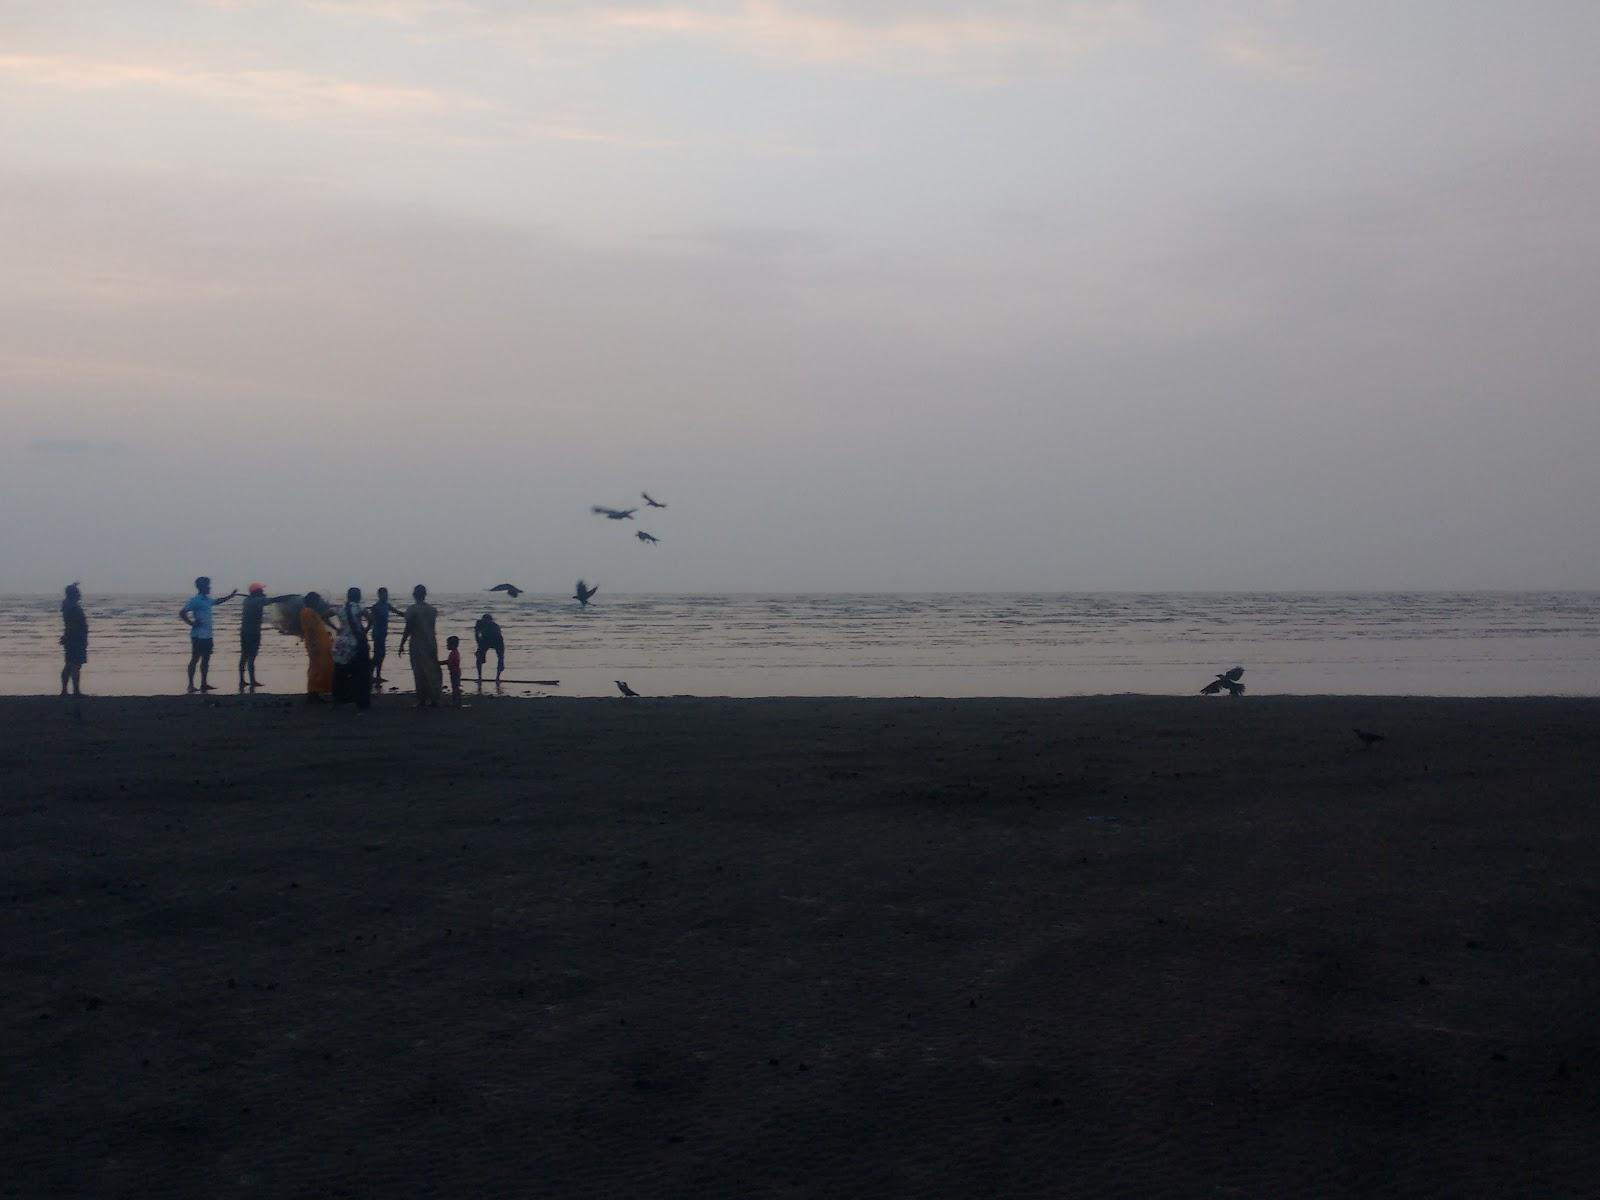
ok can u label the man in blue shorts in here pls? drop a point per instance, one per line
(196, 614)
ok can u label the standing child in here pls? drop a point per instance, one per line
(453, 665)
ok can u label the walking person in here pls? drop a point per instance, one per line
(378, 622)
(196, 614)
(486, 633)
(352, 660)
(420, 618)
(319, 649)
(74, 639)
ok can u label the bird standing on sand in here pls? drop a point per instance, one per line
(509, 589)
(627, 691)
(650, 503)
(613, 514)
(584, 593)
(1228, 681)
(648, 538)
(1368, 739)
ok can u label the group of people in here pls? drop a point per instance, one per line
(345, 647)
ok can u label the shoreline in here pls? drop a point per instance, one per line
(1125, 944)
(471, 692)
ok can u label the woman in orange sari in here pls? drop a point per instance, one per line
(319, 648)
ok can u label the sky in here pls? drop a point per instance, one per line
(885, 295)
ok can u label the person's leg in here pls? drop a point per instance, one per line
(77, 680)
(499, 662)
(66, 673)
(419, 681)
(481, 656)
(205, 665)
(194, 657)
(255, 648)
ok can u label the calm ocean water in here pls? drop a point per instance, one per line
(1465, 644)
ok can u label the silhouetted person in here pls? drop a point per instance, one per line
(378, 622)
(419, 632)
(196, 614)
(74, 639)
(487, 635)
(319, 648)
(352, 660)
(255, 604)
(452, 663)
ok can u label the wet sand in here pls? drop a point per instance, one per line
(1108, 946)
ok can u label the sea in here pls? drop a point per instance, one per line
(1057, 644)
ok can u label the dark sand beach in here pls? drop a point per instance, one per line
(1091, 947)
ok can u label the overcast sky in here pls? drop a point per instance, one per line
(876, 295)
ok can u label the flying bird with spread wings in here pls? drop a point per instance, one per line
(509, 589)
(648, 538)
(1228, 682)
(649, 502)
(613, 514)
(584, 593)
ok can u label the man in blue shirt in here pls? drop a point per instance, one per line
(197, 616)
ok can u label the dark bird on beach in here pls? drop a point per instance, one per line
(1228, 681)
(613, 514)
(509, 589)
(1369, 740)
(584, 593)
(649, 502)
(647, 537)
(625, 689)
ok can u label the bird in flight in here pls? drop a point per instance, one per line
(649, 538)
(509, 589)
(649, 502)
(1228, 681)
(613, 514)
(625, 689)
(584, 593)
(1368, 739)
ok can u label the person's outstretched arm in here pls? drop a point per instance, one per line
(228, 597)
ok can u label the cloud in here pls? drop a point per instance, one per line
(1256, 50)
(427, 114)
(910, 36)
(280, 92)
(895, 37)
